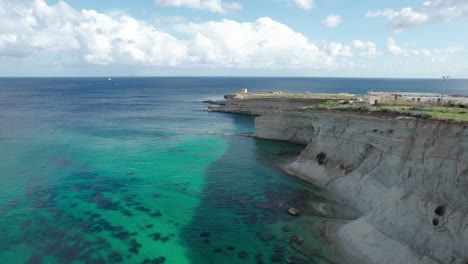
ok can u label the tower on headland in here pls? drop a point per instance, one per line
(244, 90)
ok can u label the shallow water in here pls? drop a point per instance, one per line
(133, 171)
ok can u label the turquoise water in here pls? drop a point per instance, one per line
(134, 171)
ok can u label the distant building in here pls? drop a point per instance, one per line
(244, 90)
(374, 98)
(426, 98)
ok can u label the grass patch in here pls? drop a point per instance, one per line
(448, 112)
(414, 110)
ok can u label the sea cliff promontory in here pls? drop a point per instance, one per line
(407, 175)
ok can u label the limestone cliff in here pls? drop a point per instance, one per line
(408, 177)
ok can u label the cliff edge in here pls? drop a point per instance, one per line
(407, 176)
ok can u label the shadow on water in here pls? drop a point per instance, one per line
(242, 216)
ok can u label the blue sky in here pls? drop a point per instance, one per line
(335, 38)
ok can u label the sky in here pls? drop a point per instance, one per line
(310, 38)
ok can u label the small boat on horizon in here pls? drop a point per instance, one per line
(110, 79)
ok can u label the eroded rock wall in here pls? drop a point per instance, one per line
(408, 176)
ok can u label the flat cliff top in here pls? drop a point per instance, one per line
(281, 95)
(397, 109)
(259, 103)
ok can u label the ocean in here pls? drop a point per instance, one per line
(133, 170)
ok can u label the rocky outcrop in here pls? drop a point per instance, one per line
(260, 106)
(407, 176)
(264, 103)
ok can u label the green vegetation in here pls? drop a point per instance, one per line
(407, 109)
(449, 112)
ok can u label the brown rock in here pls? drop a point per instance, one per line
(294, 211)
(299, 240)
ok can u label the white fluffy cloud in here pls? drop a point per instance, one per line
(305, 4)
(216, 6)
(436, 55)
(33, 27)
(394, 49)
(338, 49)
(264, 43)
(442, 55)
(429, 11)
(332, 21)
(367, 48)
(20, 20)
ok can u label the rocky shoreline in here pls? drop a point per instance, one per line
(407, 176)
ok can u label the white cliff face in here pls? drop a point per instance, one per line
(408, 176)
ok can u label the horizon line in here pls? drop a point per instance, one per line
(236, 76)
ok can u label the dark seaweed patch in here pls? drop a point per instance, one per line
(142, 208)
(155, 236)
(156, 214)
(122, 235)
(126, 212)
(159, 260)
(205, 234)
(95, 215)
(276, 257)
(115, 258)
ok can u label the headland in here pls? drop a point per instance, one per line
(402, 163)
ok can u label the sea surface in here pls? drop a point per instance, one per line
(133, 170)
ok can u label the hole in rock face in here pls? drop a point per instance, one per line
(435, 222)
(440, 210)
(321, 158)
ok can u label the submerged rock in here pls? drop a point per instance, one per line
(243, 255)
(296, 239)
(296, 260)
(294, 211)
(276, 257)
(266, 237)
(279, 249)
(299, 240)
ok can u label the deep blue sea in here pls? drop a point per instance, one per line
(132, 170)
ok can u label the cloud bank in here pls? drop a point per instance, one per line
(428, 12)
(367, 48)
(216, 6)
(33, 27)
(394, 49)
(60, 37)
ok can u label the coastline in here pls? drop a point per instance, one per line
(397, 170)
